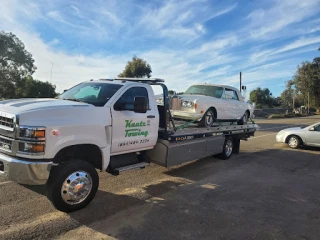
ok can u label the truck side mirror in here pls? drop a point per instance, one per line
(140, 104)
(311, 129)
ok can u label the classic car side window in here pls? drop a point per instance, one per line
(317, 128)
(231, 94)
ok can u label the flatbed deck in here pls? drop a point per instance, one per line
(196, 132)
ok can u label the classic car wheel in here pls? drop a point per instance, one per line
(208, 119)
(294, 142)
(244, 119)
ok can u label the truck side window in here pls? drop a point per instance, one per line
(126, 101)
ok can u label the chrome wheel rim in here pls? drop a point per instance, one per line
(229, 147)
(76, 188)
(209, 119)
(293, 142)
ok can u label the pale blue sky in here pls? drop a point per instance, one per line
(185, 42)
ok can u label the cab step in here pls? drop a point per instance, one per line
(140, 165)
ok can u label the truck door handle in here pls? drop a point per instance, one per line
(151, 116)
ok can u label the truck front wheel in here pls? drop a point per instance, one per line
(72, 185)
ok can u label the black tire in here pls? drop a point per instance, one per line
(59, 177)
(294, 142)
(205, 122)
(227, 152)
(244, 119)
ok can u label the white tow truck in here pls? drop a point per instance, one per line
(112, 125)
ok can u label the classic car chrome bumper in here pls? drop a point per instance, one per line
(24, 171)
(186, 115)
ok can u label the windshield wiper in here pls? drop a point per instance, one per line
(73, 99)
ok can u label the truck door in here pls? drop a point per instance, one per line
(133, 131)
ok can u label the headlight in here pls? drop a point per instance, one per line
(31, 148)
(280, 133)
(35, 133)
(188, 104)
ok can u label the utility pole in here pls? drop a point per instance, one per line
(240, 82)
(308, 102)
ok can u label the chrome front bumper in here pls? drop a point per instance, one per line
(24, 171)
(186, 115)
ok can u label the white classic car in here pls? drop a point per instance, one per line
(209, 103)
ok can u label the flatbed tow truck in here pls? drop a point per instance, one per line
(113, 125)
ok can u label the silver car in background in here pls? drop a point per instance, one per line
(298, 136)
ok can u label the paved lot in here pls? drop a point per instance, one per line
(268, 191)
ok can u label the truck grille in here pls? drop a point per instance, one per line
(5, 144)
(7, 122)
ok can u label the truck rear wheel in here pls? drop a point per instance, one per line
(227, 148)
(72, 185)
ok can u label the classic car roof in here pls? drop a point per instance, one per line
(217, 85)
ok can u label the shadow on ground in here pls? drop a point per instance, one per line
(263, 195)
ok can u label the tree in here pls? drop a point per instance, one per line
(16, 63)
(136, 68)
(31, 88)
(262, 97)
(307, 81)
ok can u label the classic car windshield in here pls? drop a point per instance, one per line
(93, 93)
(212, 91)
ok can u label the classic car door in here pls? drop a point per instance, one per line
(235, 106)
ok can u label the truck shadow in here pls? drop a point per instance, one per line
(213, 198)
(171, 203)
(217, 198)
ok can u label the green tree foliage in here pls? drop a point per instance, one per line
(262, 98)
(307, 81)
(16, 63)
(136, 68)
(31, 88)
(290, 96)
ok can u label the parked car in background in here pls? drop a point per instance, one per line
(298, 136)
(209, 103)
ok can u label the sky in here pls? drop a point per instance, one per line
(185, 42)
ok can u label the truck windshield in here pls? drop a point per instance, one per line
(212, 91)
(93, 93)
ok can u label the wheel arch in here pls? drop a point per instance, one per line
(87, 152)
(214, 111)
(291, 135)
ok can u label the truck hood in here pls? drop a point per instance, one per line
(17, 106)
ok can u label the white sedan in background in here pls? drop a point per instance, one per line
(207, 103)
(297, 136)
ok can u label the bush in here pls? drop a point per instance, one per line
(290, 115)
